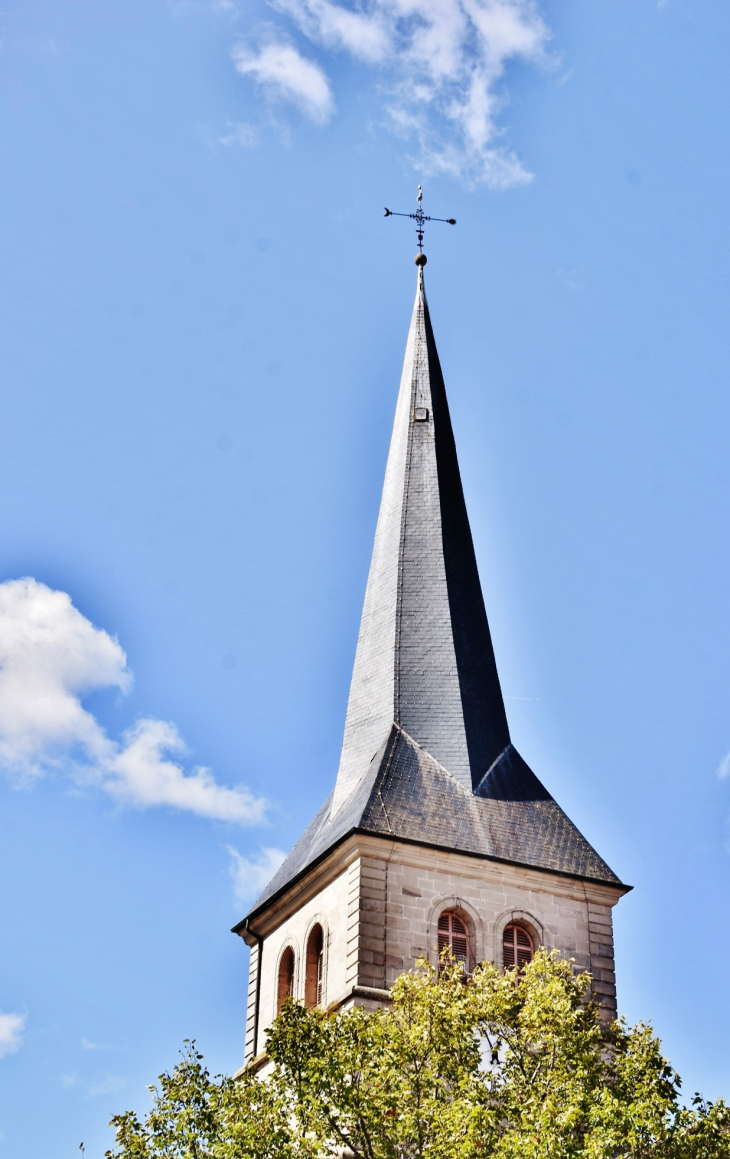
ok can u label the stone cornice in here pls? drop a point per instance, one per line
(422, 857)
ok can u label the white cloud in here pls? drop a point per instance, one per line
(50, 657)
(287, 75)
(11, 1033)
(441, 63)
(140, 775)
(723, 769)
(366, 35)
(251, 874)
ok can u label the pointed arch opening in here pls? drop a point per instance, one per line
(314, 984)
(518, 946)
(453, 935)
(285, 984)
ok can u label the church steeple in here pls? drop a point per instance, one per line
(434, 817)
(426, 756)
(424, 656)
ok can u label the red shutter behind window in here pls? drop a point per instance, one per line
(517, 947)
(320, 977)
(452, 934)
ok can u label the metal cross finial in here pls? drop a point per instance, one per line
(420, 218)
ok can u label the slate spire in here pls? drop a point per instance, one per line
(424, 656)
(427, 757)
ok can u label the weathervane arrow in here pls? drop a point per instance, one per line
(420, 218)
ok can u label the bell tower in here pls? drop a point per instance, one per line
(437, 832)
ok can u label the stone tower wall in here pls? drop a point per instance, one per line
(378, 903)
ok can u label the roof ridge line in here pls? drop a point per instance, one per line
(418, 319)
(431, 757)
(492, 767)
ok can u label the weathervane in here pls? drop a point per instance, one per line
(420, 218)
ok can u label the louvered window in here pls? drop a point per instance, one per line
(286, 977)
(453, 935)
(314, 983)
(320, 978)
(517, 947)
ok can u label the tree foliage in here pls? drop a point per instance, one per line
(507, 1066)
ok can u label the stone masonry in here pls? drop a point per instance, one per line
(379, 902)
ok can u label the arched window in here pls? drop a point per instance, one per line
(286, 978)
(453, 935)
(517, 946)
(315, 968)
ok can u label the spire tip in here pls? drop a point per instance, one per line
(420, 259)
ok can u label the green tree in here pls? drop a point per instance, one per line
(505, 1065)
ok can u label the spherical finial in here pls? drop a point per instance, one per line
(420, 259)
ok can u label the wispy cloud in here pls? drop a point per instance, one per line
(366, 33)
(86, 1045)
(285, 74)
(239, 133)
(109, 1084)
(194, 7)
(51, 656)
(439, 64)
(723, 769)
(140, 774)
(251, 874)
(11, 1033)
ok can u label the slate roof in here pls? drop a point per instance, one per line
(424, 658)
(426, 755)
(407, 795)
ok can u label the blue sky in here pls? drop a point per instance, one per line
(204, 315)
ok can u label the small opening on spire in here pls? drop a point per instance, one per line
(420, 414)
